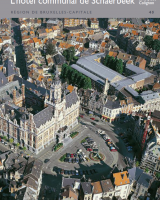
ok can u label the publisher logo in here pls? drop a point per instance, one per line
(147, 2)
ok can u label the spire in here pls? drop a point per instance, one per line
(57, 72)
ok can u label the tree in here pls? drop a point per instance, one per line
(111, 62)
(158, 175)
(17, 145)
(119, 66)
(87, 83)
(4, 137)
(24, 148)
(106, 60)
(137, 163)
(72, 77)
(146, 170)
(11, 140)
(156, 45)
(65, 53)
(50, 49)
(69, 53)
(148, 41)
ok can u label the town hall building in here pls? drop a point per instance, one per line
(54, 112)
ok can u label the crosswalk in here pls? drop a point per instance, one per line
(47, 155)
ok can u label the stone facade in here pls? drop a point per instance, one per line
(52, 123)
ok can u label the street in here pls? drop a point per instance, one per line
(104, 168)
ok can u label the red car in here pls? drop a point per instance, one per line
(108, 140)
(113, 150)
(81, 116)
(72, 156)
(89, 149)
(92, 118)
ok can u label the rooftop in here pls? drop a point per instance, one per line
(121, 178)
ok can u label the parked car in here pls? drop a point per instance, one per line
(96, 120)
(77, 160)
(108, 140)
(77, 173)
(68, 172)
(80, 156)
(65, 172)
(79, 150)
(89, 149)
(58, 171)
(113, 150)
(62, 171)
(2, 141)
(46, 160)
(92, 118)
(84, 172)
(85, 143)
(66, 160)
(95, 150)
(93, 123)
(81, 116)
(95, 171)
(91, 171)
(75, 155)
(90, 142)
(73, 172)
(68, 155)
(70, 160)
(73, 160)
(6, 143)
(87, 172)
(72, 155)
(80, 172)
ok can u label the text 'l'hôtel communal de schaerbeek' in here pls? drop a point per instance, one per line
(45, 2)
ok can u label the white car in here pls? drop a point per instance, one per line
(99, 131)
(79, 150)
(77, 173)
(5, 143)
(2, 142)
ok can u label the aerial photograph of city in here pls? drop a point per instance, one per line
(80, 109)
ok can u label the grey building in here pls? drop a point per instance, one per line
(142, 186)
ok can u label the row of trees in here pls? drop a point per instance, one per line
(114, 63)
(150, 43)
(11, 141)
(74, 77)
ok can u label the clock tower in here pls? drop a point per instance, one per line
(56, 90)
